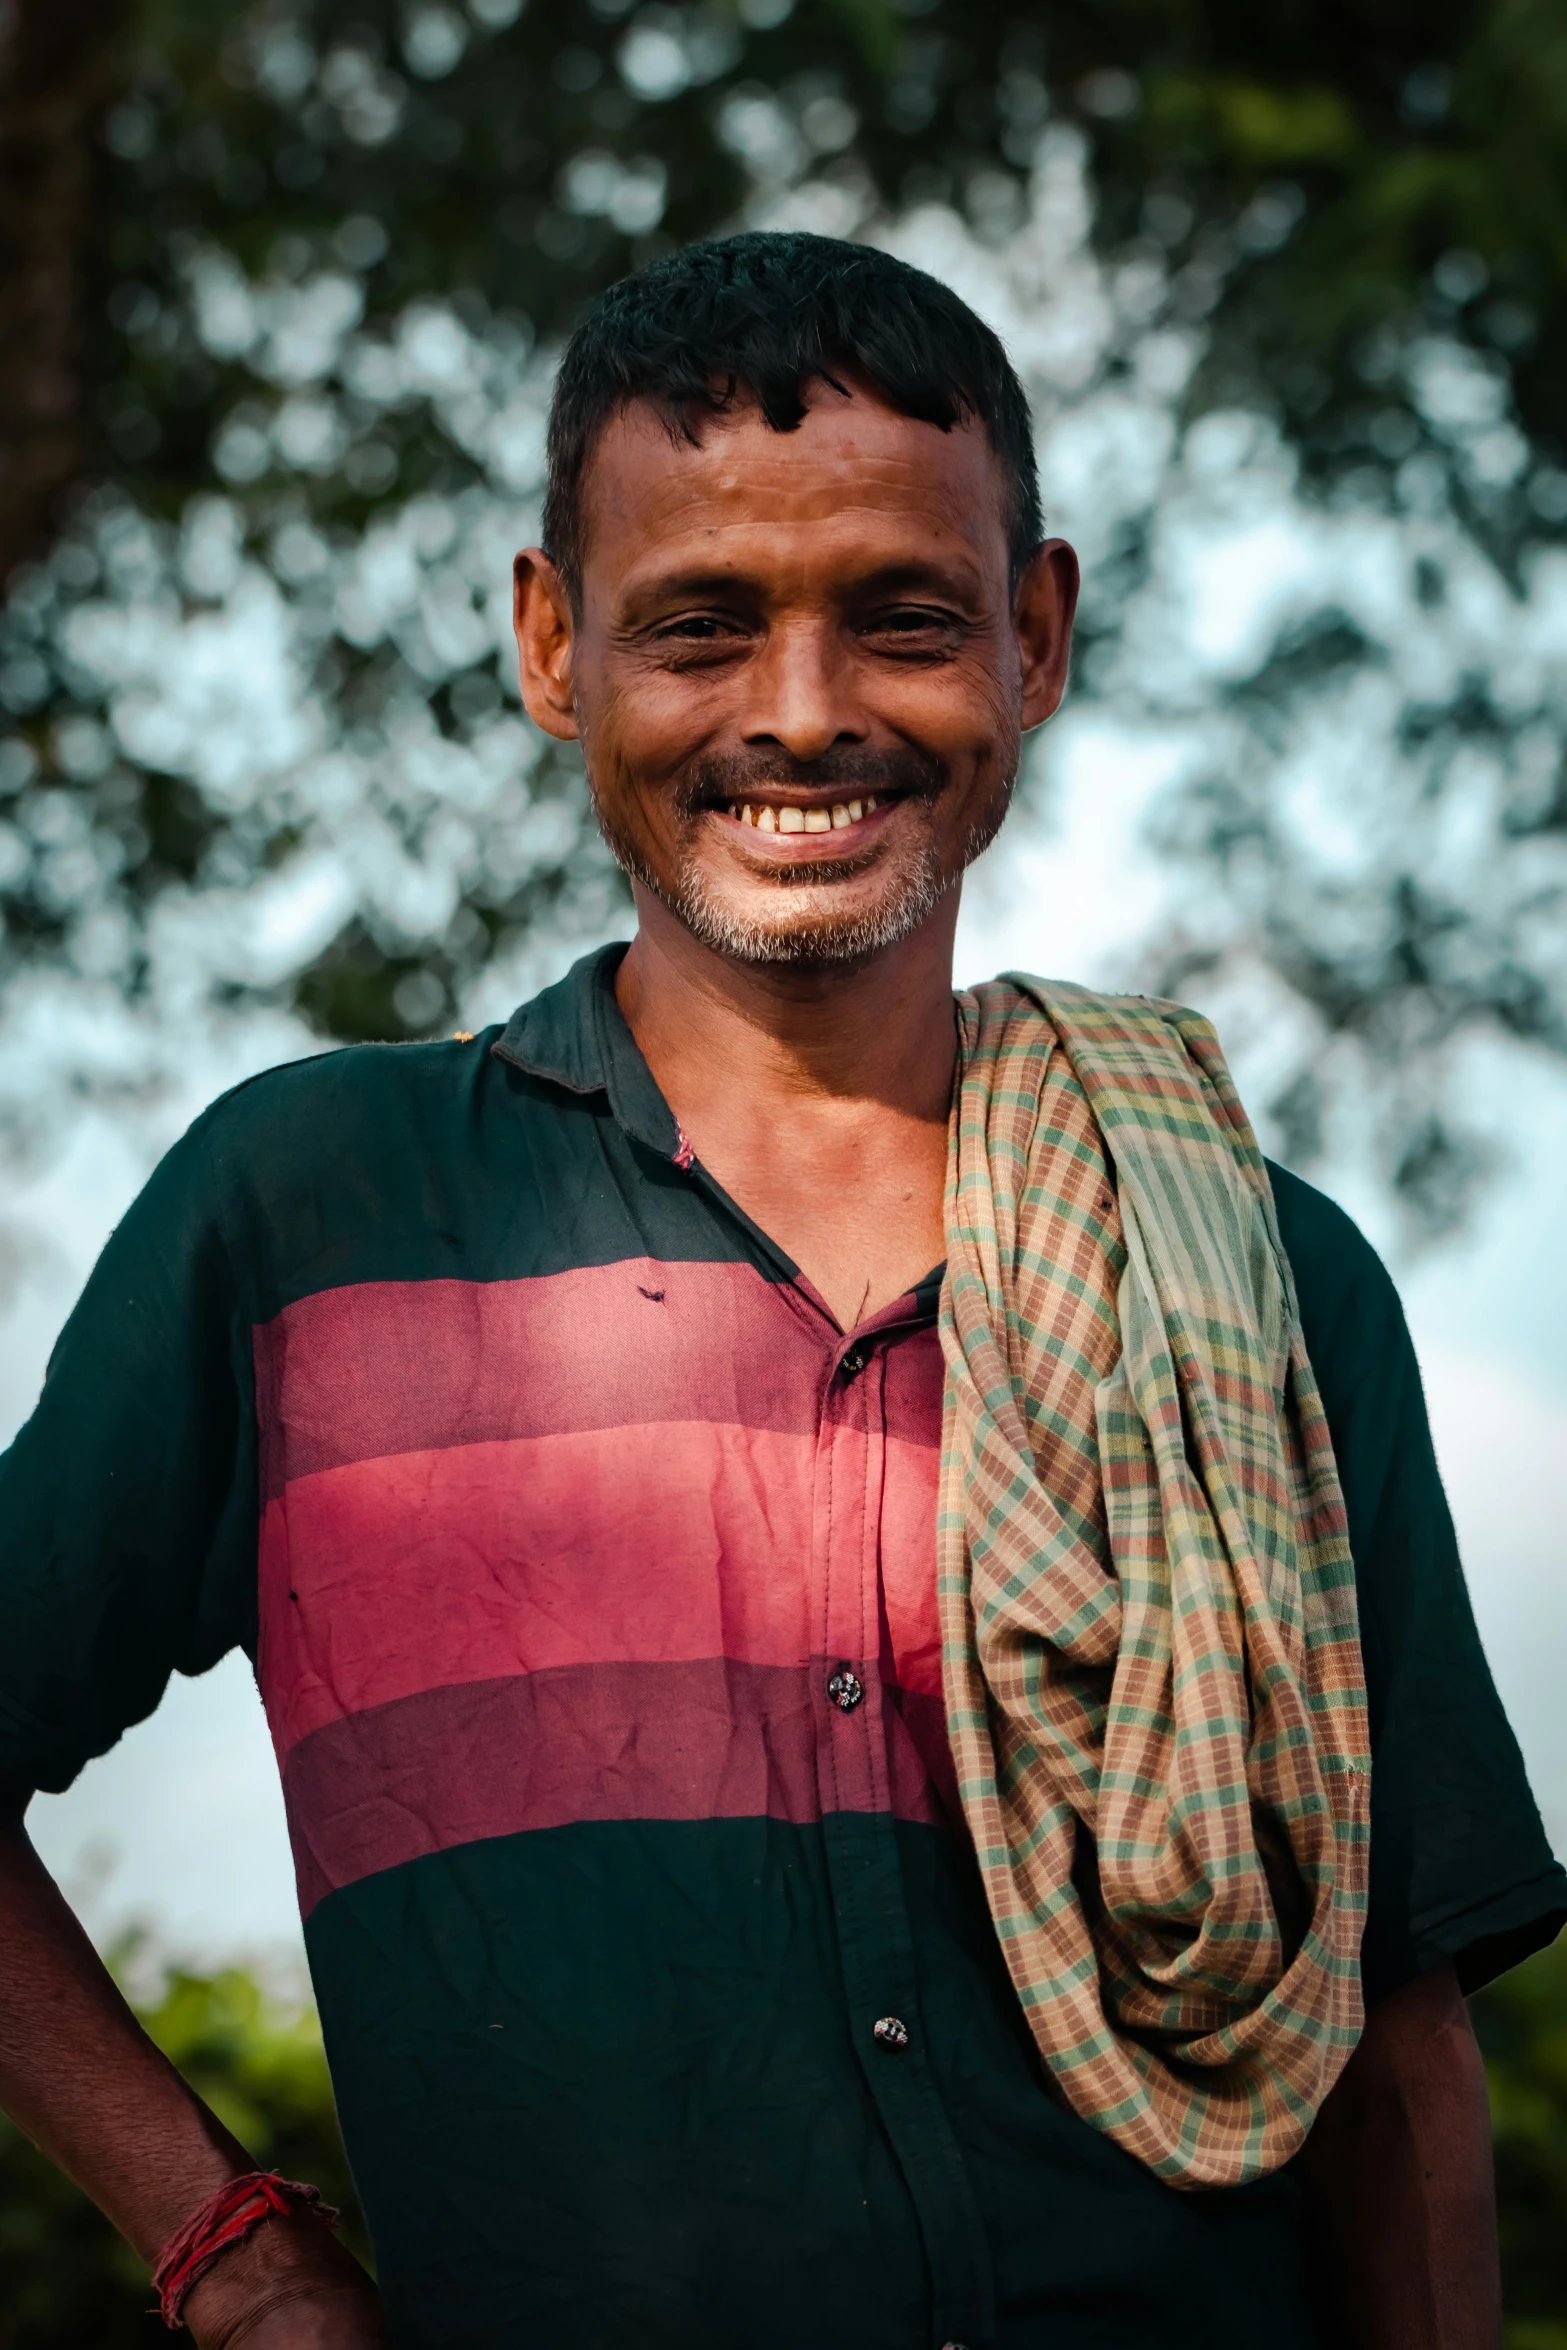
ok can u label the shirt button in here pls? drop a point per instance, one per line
(891, 2031)
(845, 1689)
(853, 1363)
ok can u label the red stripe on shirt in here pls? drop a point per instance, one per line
(410, 1366)
(641, 1544)
(702, 1740)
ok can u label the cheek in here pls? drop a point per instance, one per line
(996, 691)
(619, 745)
(965, 714)
(645, 731)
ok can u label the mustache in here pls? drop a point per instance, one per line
(848, 770)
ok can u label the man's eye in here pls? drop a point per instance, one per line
(697, 627)
(909, 620)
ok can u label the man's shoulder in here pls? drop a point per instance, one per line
(1349, 1308)
(328, 1096)
(360, 1120)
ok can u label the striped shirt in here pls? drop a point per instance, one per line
(587, 1566)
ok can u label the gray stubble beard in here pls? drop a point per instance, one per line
(760, 945)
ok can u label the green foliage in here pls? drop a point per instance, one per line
(1340, 160)
(66, 2279)
(1522, 2024)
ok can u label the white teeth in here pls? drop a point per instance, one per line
(764, 818)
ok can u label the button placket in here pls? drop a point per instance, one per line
(845, 1535)
(860, 1839)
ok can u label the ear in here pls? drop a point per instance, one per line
(1042, 616)
(542, 618)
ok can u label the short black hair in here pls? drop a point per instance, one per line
(765, 314)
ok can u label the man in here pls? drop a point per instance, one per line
(555, 1417)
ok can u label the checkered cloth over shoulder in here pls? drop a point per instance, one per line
(1152, 1664)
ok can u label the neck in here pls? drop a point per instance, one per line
(879, 1031)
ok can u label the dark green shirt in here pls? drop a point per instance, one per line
(587, 1567)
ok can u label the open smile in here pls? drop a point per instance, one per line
(792, 832)
(788, 816)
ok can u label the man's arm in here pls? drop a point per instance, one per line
(1400, 2172)
(81, 2077)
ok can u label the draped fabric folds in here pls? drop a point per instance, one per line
(1152, 1666)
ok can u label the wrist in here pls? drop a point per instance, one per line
(291, 2262)
(228, 2218)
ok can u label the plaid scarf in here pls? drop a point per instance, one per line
(1152, 1666)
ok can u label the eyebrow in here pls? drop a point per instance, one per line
(674, 586)
(910, 576)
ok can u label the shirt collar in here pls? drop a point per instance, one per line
(575, 1035)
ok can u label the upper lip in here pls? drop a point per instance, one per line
(773, 795)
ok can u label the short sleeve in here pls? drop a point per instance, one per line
(128, 1501)
(1460, 1866)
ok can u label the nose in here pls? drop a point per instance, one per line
(802, 693)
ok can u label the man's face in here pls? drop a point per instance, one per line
(798, 673)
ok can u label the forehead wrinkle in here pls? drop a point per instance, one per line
(741, 476)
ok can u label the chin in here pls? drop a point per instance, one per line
(828, 917)
(761, 931)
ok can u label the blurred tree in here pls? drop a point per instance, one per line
(1331, 179)
(59, 67)
(276, 326)
(1522, 2023)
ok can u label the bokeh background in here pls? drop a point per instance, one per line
(281, 289)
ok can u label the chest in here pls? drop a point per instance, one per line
(859, 1211)
(606, 1536)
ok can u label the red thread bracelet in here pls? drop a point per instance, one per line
(227, 2218)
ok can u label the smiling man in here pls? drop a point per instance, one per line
(823, 1558)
